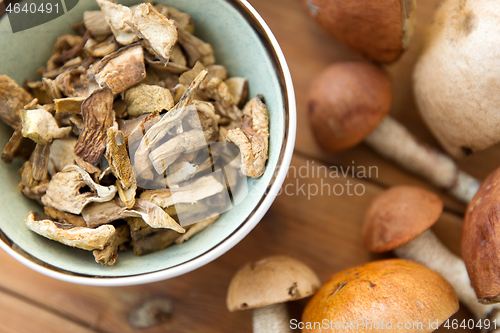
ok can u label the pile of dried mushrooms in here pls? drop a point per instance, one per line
(132, 97)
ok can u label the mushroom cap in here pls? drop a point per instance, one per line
(481, 240)
(456, 89)
(379, 30)
(347, 102)
(272, 280)
(399, 215)
(388, 291)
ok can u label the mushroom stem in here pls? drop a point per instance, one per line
(427, 249)
(272, 318)
(395, 142)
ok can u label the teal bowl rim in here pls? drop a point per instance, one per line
(281, 69)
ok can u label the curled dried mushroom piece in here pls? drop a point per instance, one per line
(80, 237)
(147, 98)
(252, 138)
(116, 16)
(71, 189)
(12, 99)
(40, 126)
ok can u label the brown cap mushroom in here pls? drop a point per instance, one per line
(379, 30)
(265, 285)
(386, 293)
(399, 219)
(346, 102)
(398, 216)
(349, 102)
(481, 240)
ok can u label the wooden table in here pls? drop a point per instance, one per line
(323, 231)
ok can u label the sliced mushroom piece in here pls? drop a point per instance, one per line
(40, 126)
(75, 82)
(71, 189)
(98, 116)
(147, 240)
(12, 99)
(62, 153)
(180, 172)
(168, 152)
(95, 22)
(188, 77)
(116, 16)
(108, 256)
(29, 186)
(69, 105)
(238, 88)
(80, 237)
(160, 32)
(67, 218)
(196, 49)
(147, 98)
(63, 44)
(18, 146)
(51, 89)
(102, 49)
(158, 131)
(122, 69)
(183, 19)
(231, 116)
(156, 217)
(170, 68)
(73, 52)
(75, 62)
(252, 138)
(208, 120)
(218, 91)
(177, 56)
(41, 161)
(121, 167)
(196, 228)
(37, 89)
(193, 192)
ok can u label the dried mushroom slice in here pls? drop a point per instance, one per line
(238, 88)
(51, 89)
(180, 172)
(69, 105)
(122, 69)
(62, 153)
(18, 146)
(116, 16)
(177, 56)
(95, 22)
(193, 192)
(67, 218)
(147, 240)
(158, 131)
(71, 189)
(97, 112)
(218, 91)
(75, 82)
(40, 162)
(108, 256)
(188, 77)
(252, 138)
(96, 214)
(156, 217)
(183, 19)
(147, 98)
(170, 68)
(73, 52)
(121, 167)
(160, 32)
(63, 44)
(196, 49)
(79, 237)
(40, 126)
(37, 89)
(102, 49)
(12, 99)
(196, 228)
(168, 152)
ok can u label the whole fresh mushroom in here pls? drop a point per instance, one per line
(481, 240)
(382, 293)
(456, 76)
(400, 220)
(266, 285)
(379, 30)
(348, 103)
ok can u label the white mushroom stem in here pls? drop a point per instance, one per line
(272, 318)
(395, 142)
(428, 250)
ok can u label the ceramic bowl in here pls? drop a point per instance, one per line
(244, 44)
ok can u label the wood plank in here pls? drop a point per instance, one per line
(323, 231)
(18, 316)
(309, 50)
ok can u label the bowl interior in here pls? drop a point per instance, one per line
(237, 46)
